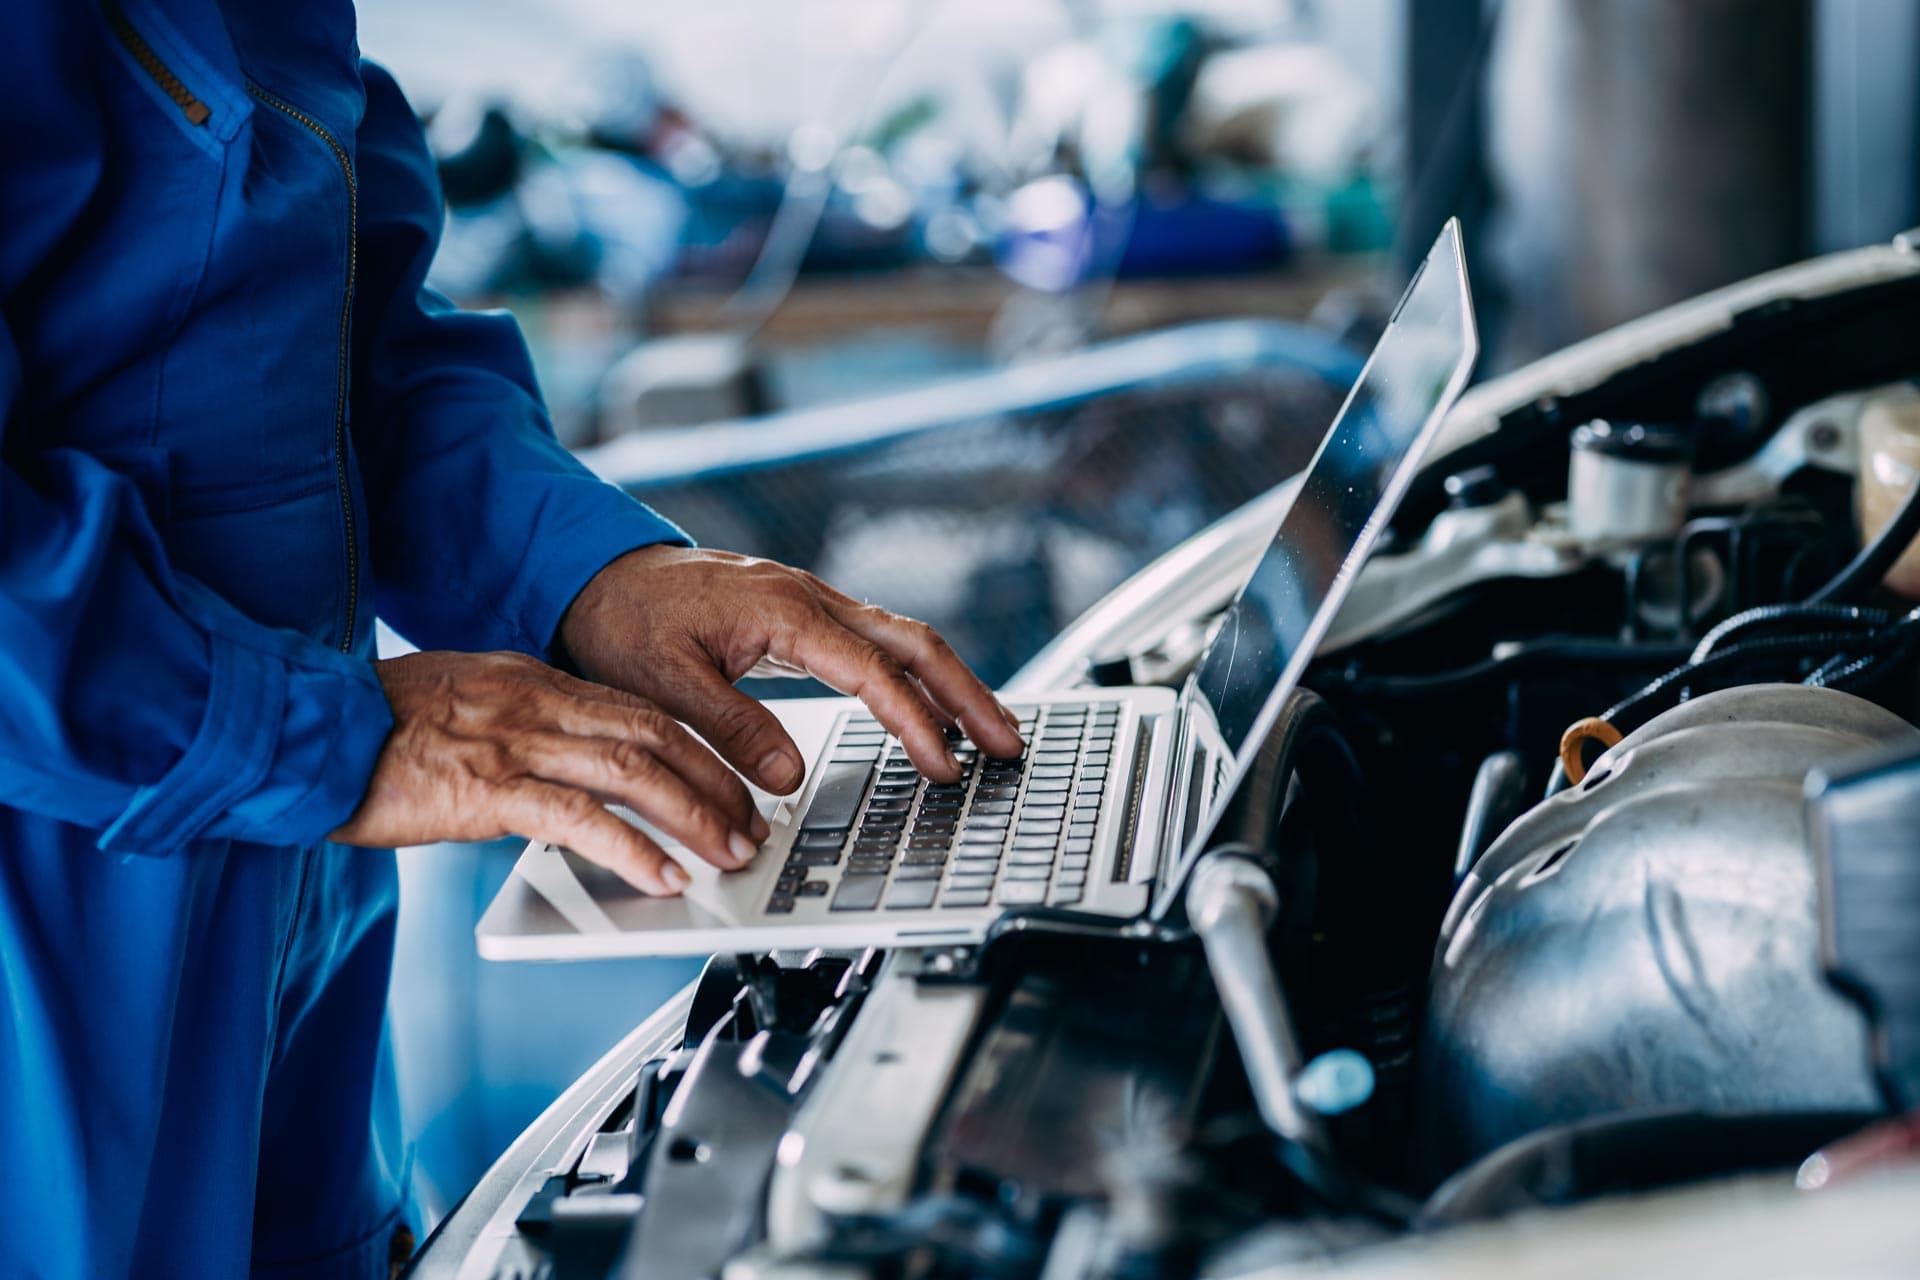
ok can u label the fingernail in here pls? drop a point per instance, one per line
(743, 848)
(759, 827)
(675, 877)
(953, 762)
(779, 771)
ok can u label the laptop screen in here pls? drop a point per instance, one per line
(1345, 498)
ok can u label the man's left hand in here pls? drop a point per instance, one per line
(678, 626)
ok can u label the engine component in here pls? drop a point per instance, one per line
(1231, 903)
(1648, 939)
(1628, 483)
(1485, 535)
(1864, 818)
(1889, 468)
(1497, 798)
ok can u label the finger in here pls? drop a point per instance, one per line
(920, 650)
(563, 816)
(940, 713)
(597, 711)
(622, 770)
(839, 658)
(746, 734)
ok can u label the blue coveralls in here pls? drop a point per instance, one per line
(234, 428)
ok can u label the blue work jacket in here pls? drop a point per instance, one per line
(234, 428)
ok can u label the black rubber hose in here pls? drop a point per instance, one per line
(1548, 651)
(1864, 572)
(1785, 616)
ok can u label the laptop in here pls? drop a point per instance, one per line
(1120, 788)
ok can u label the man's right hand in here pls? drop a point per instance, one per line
(486, 745)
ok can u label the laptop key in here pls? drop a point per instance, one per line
(837, 798)
(858, 893)
(911, 895)
(970, 882)
(1080, 831)
(780, 905)
(1040, 872)
(1065, 895)
(964, 898)
(920, 871)
(827, 839)
(814, 889)
(1077, 846)
(1030, 858)
(1022, 893)
(814, 857)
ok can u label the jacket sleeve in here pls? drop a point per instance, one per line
(139, 703)
(482, 527)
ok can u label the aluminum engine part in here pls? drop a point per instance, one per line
(1628, 483)
(1649, 939)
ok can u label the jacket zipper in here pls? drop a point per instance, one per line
(342, 363)
(196, 111)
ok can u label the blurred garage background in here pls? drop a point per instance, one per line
(976, 306)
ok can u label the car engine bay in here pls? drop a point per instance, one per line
(1589, 867)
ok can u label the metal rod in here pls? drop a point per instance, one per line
(1230, 903)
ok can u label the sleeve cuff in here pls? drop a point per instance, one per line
(619, 524)
(282, 757)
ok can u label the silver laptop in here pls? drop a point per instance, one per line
(1119, 789)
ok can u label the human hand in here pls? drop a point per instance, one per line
(678, 626)
(488, 744)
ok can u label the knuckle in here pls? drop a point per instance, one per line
(697, 817)
(493, 760)
(577, 807)
(736, 721)
(929, 640)
(654, 725)
(630, 759)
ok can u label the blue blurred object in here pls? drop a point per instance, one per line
(1057, 236)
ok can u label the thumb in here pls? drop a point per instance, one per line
(747, 735)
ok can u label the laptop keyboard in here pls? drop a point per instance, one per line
(878, 836)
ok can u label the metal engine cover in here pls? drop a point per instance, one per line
(1649, 939)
